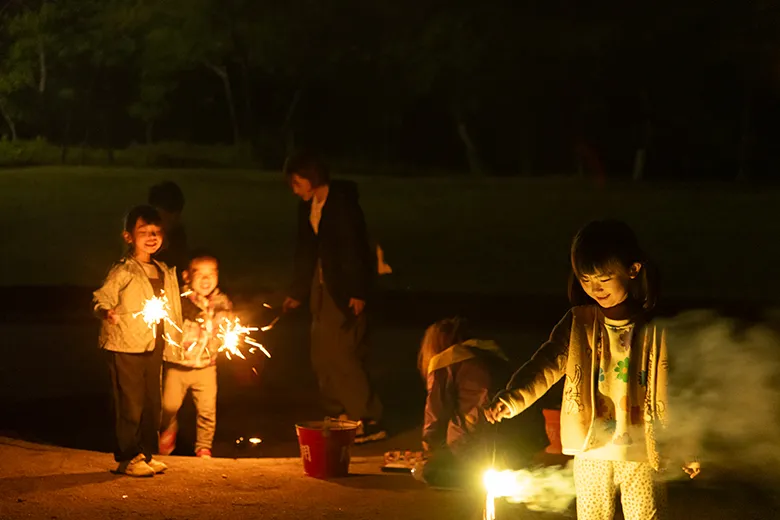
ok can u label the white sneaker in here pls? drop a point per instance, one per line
(156, 465)
(136, 467)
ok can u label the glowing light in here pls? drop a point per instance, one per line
(255, 441)
(545, 489)
(500, 484)
(233, 334)
(154, 311)
(270, 325)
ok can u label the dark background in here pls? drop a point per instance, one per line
(493, 87)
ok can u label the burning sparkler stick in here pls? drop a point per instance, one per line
(154, 311)
(232, 333)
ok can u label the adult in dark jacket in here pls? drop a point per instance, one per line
(334, 268)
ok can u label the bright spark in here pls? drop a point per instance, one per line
(156, 310)
(270, 325)
(232, 334)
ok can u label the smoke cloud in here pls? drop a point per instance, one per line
(724, 404)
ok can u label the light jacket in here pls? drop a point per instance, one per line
(125, 290)
(570, 352)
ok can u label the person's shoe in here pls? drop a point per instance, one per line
(203, 453)
(156, 465)
(369, 431)
(137, 467)
(167, 442)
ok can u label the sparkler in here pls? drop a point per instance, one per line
(154, 311)
(499, 484)
(232, 334)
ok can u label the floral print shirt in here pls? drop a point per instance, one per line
(618, 431)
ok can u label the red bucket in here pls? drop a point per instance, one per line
(325, 447)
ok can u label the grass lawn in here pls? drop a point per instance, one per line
(62, 226)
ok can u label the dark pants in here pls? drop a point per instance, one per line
(136, 388)
(338, 348)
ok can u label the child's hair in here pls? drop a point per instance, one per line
(307, 166)
(144, 212)
(610, 246)
(167, 196)
(201, 254)
(439, 337)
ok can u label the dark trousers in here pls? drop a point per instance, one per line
(338, 349)
(136, 388)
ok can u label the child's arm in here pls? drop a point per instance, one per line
(438, 410)
(534, 378)
(106, 299)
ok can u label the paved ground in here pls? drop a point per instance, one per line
(55, 483)
(38, 481)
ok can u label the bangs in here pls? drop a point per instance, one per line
(594, 265)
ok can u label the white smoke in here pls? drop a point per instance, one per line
(724, 402)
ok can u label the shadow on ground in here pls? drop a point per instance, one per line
(28, 484)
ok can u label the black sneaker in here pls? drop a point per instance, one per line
(369, 431)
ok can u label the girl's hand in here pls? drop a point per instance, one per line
(111, 316)
(497, 411)
(692, 469)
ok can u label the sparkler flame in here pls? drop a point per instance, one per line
(499, 484)
(155, 310)
(232, 334)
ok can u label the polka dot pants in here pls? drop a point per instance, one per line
(642, 496)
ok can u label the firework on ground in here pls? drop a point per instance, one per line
(546, 489)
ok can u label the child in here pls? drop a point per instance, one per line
(134, 351)
(615, 363)
(461, 375)
(192, 365)
(168, 199)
